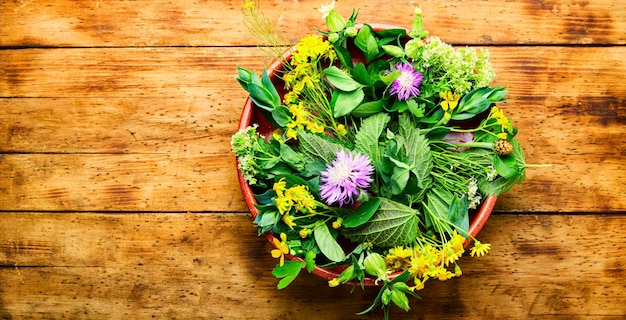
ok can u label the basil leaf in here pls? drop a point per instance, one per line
(340, 79)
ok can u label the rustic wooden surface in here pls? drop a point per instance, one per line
(118, 195)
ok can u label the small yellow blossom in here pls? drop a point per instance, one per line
(502, 136)
(281, 248)
(450, 100)
(304, 232)
(289, 220)
(333, 283)
(341, 129)
(284, 205)
(479, 249)
(278, 135)
(337, 223)
(280, 187)
(248, 5)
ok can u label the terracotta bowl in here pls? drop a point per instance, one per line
(251, 115)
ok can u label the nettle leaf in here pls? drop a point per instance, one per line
(366, 138)
(417, 150)
(394, 224)
(362, 214)
(327, 243)
(317, 148)
(287, 272)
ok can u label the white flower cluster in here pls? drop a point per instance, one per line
(473, 197)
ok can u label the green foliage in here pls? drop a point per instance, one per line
(328, 243)
(394, 224)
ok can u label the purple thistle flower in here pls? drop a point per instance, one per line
(343, 180)
(406, 86)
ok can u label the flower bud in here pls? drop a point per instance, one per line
(333, 37)
(375, 265)
(386, 296)
(351, 31)
(503, 147)
(393, 51)
(335, 22)
(400, 299)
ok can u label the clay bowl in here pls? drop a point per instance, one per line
(251, 115)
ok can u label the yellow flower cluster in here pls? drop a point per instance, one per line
(298, 197)
(300, 120)
(429, 261)
(504, 122)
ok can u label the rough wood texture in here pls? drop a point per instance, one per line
(115, 121)
(219, 23)
(213, 266)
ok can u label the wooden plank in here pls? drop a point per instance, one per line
(563, 121)
(219, 23)
(114, 182)
(102, 266)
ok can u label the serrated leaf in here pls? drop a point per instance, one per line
(316, 148)
(506, 166)
(417, 150)
(394, 224)
(291, 157)
(366, 138)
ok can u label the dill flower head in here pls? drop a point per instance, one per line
(343, 180)
(406, 85)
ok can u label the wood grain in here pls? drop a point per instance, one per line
(181, 104)
(219, 23)
(169, 266)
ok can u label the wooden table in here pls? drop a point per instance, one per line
(118, 190)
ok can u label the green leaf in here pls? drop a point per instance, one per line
(340, 79)
(366, 138)
(291, 157)
(362, 214)
(281, 115)
(347, 101)
(417, 150)
(287, 272)
(438, 202)
(394, 224)
(366, 41)
(317, 148)
(327, 243)
(267, 217)
(309, 259)
(361, 75)
(506, 166)
(458, 214)
(369, 108)
(343, 54)
(269, 86)
(502, 184)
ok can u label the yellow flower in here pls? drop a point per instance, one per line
(281, 248)
(291, 134)
(248, 5)
(284, 205)
(280, 186)
(289, 220)
(337, 223)
(333, 283)
(450, 100)
(419, 284)
(457, 270)
(502, 136)
(341, 129)
(304, 232)
(480, 249)
(277, 135)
